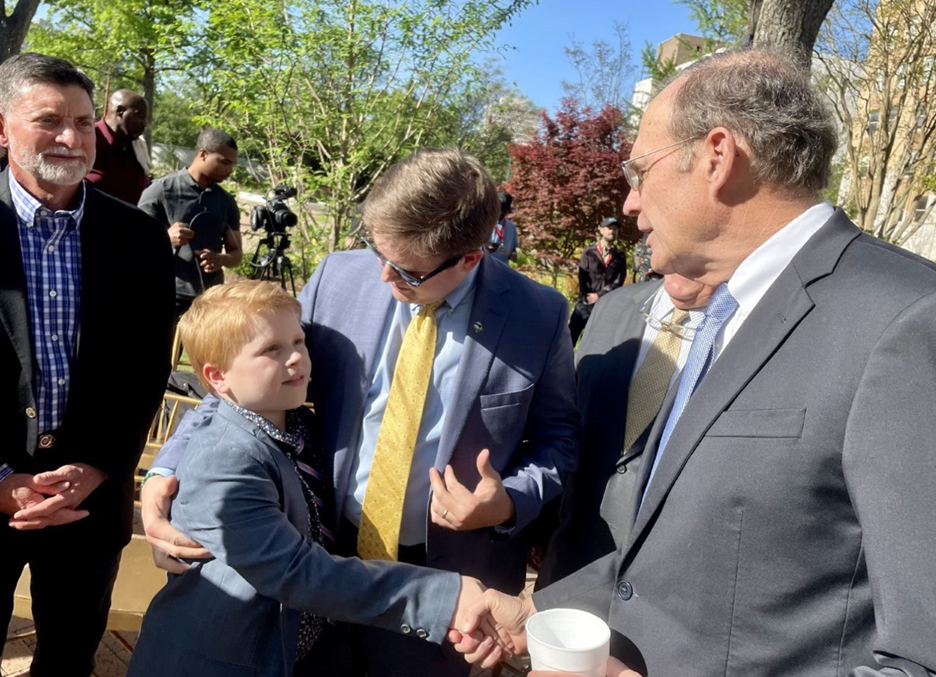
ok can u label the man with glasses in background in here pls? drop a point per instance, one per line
(631, 355)
(445, 385)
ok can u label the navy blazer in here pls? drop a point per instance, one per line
(238, 614)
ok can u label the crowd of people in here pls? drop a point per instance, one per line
(740, 451)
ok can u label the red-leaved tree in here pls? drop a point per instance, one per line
(565, 180)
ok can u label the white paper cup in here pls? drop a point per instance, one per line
(568, 640)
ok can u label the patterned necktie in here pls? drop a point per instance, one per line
(652, 380)
(700, 359)
(379, 532)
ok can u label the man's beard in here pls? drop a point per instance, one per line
(58, 174)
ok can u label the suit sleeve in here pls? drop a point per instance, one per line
(231, 502)
(890, 470)
(173, 451)
(551, 431)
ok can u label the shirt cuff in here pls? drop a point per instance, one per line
(5, 471)
(164, 472)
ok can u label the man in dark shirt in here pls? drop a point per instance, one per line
(117, 170)
(601, 269)
(202, 218)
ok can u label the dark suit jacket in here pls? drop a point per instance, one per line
(122, 361)
(788, 529)
(604, 367)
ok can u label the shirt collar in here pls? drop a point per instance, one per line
(106, 131)
(189, 180)
(291, 437)
(763, 266)
(662, 308)
(28, 207)
(459, 294)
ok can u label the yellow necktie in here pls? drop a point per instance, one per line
(379, 532)
(652, 380)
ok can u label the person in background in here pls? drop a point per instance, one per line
(85, 337)
(117, 168)
(503, 243)
(602, 268)
(202, 218)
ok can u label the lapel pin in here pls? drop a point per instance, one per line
(478, 328)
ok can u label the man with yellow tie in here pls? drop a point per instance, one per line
(445, 386)
(633, 350)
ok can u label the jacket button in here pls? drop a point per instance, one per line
(30, 412)
(625, 590)
(621, 469)
(405, 629)
(422, 634)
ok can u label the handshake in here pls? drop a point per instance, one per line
(489, 626)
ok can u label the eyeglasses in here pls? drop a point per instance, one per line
(411, 279)
(633, 175)
(682, 331)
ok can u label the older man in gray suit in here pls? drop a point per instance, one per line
(785, 526)
(484, 408)
(631, 354)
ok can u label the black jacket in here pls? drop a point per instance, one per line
(597, 278)
(122, 363)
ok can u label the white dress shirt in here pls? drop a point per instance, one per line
(763, 266)
(662, 308)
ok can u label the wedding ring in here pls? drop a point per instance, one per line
(444, 513)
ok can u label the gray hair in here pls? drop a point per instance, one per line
(22, 70)
(214, 140)
(765, 98)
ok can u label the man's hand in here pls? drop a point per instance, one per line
(169, 544)
(615, 668)
(66, 488)
(180, 234)
(509, 615)
(591, 299)
(456, 508)
(19, 491)
(210, 261)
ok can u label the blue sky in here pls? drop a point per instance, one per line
(537, 63)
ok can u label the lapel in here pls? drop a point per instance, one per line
(14, 317)
(781, 309)
(605, 369)
(490, 309)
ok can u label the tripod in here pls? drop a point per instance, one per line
(273, 264)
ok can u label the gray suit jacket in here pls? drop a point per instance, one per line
(788, 529)
(604, 366)
(237, 615)
(514, 396)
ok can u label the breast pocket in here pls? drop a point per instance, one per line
(512, 398)
(762, 423)
(504, 416)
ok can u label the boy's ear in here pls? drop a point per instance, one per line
(215, 378)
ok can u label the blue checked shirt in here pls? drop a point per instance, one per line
(51, 250)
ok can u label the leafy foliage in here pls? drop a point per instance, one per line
(721, 22)
(329, 93)
(566, 180)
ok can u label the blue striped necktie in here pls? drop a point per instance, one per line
(701, 356)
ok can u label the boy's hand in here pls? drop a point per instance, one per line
(169, 544)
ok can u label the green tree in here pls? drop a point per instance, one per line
(329, 93)
(721, 22)
(132, 43)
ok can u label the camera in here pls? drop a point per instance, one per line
(275, 216)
